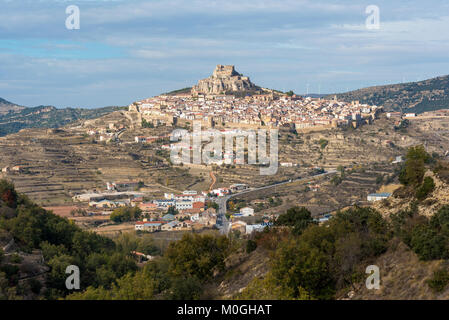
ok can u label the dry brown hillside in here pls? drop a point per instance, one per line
(403, 277)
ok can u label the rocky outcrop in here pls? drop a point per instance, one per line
(438, 198)
(224, 79)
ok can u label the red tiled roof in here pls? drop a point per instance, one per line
(198, 205)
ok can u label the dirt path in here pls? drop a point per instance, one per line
(214, 179)
(168, 188)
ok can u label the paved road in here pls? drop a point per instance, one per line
(223, 222)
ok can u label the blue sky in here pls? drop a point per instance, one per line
(130, 50)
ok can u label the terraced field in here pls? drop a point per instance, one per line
(60, 163)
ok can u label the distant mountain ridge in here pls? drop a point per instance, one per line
(6, 106)
(418, 97)
(14, 118)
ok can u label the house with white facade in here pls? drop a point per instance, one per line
(378, 196)
(247, 211)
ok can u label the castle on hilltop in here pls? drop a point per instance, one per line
(222, 71)
(224, 79)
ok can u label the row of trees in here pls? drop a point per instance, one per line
(427, 237)
(125, 214)
(62, 244)
(315, 261)
(180, 273)
(107, 267)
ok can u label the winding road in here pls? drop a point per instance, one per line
(214, 179)
(223, 222)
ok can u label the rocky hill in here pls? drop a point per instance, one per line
(403, 277)
(422, 96)
(6, 106)
(225, 79)
(412, 264)
(404, 274)
(179, 91)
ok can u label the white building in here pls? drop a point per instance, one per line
(378, 196)
(164, 203)
(250, 228)
(247, 211)
(398, 159)
(286, 164)
(169, 196)
(195, 217)
(184, 204)
(220, 192)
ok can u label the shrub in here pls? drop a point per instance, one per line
(126, 214)
(439, 280)
(336, 180)
(35, 285)
(11, 272)
(323, 143)
(426, 188)
(326, 258)
(197, 255)
(413, 171)
(15, 258)
(440, 220)
(298, 218)
(428, 244)
(185, 289)
(251, 245)
(8, 193)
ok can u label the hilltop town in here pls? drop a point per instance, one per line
(332, 154)
(213, 103)
(115, 175)
(242, 151)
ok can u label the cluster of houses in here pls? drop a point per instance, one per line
(245, 212)
(149, 139)
(173, 212)
(189, 212)
(106, 134)
(258, 110)
(118, 194)
(123, 185)
(220, 192)
(104, 203)
(180, 221)
(246, 228)
(400, 115)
